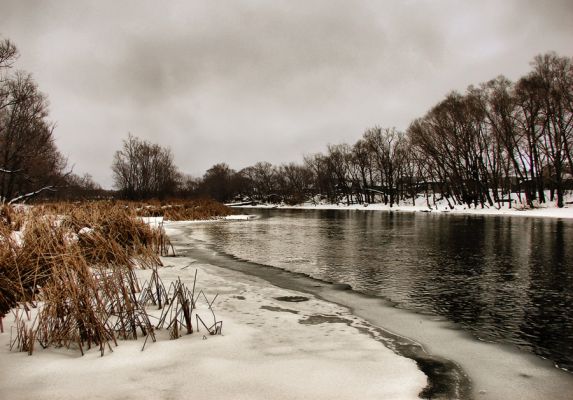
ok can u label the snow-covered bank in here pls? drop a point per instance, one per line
(546, 211)
(551, 212)
(270, 349)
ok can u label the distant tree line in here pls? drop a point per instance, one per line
(144, 170)
(473, 148)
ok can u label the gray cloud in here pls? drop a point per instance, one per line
(244, 81)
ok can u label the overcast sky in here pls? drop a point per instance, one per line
(247, 81)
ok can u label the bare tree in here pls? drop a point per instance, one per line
(386, 146)
(324, 186)
(363, 163)
(260, 182)
(293, 181)
(189, 186)
(30, 163)
(502, 113)
(144, 170)
(554, 76)
(219, 182)
(76, 187)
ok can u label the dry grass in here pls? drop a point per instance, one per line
(75, 264)
(12, 217)
(181, 210)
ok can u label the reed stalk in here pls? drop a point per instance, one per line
(75, 263)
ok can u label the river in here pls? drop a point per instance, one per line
(502, 279)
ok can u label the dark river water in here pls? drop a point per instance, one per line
(504, 279)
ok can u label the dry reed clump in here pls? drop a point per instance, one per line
(178, 210)
(103, 228)
(72, 312)
(26, 261)
(11, 286)
(75, 265)
(43, 246)
(177, 304)
(114, 235)
(12, 217)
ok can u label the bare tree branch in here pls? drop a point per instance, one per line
(32, 194)
(8, 171)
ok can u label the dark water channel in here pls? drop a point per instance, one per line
(504, 279)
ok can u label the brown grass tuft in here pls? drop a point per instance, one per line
(183, 210)
(75, 263)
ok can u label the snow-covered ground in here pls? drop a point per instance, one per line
(270, 349)
(553, 212)
(543, 210)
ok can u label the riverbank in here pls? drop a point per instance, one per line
(270, 348)
(441, 207)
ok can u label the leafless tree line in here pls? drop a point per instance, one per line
(473, 148)
(501, 135)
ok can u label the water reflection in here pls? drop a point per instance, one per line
(503, 279)
(550, 299)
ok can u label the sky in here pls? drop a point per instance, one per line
(242, 81)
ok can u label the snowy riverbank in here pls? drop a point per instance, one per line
(441, 207)
(270, 349)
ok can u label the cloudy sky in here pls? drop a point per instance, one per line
(261, 80)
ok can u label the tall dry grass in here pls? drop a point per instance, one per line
(182, 210)
(75, 264)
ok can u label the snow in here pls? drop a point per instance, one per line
(85, 231)
(497, 371)
(231, 218)
(17, 237)
(239, 217)
(547, 210)
(154, 222)
(551, 212)
(268, 352)
(265, 352)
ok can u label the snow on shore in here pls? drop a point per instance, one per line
(441, 207)
(551, 212)
(270, 349)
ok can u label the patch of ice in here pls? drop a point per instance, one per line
(240, 217)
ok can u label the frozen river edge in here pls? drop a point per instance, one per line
(541, 212)
(493, 371)
(271, 347)
(444, 378)
(337, 344)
